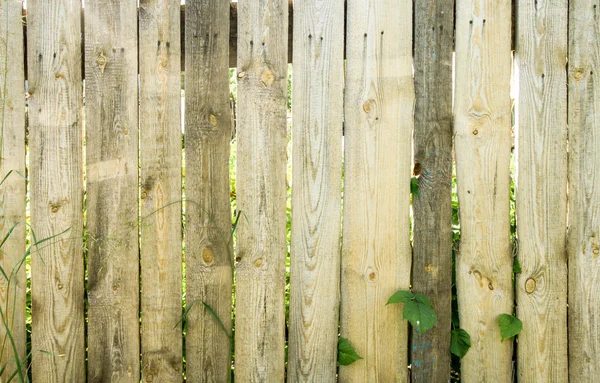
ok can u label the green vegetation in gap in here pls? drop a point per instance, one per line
(510, 326)
(417, 310)
(346, 353)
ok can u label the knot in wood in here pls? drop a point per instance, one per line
(530, 285)
(208, 255)
(267, 77)
(101, 61)
(258, 262)
(213, 120)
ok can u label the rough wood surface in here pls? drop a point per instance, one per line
(541, 208)
(160, 151)
(111, 107)
(12, 191)
(376, 257)
(316, 195)
(55, 138)
(583, 243)
(261, 186)
(209, 256)
(432, 232)
(482, 110)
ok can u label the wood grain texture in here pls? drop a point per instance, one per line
(583, 242)
(261, 190)
(432, 207)
(209, 255)
(482, 110)
(541, 208)
(56, 162)
(160, 151)
(316, 195)
(12, 191)
(112, 190)
(376, 256)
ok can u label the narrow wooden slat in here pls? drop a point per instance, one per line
(432, 236)
(112, 190)
(376, 256)
(261, 190)
(583, 243)
(55, 138)
(209, 256)
(316, 195)
(12, 191)
(541, 288)
(160, 151)
(482, 111)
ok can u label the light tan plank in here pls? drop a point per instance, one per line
(482, 110)
(261, 190)
(55, 126)
(316, 195)
(541, 288)
(376, 257)
(583, 242)
(160, 151)
(112, 190)
(12, 191)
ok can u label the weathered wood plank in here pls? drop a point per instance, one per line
(112, 190)
(209, 255)
(432, 232)
(316, 195)
(583, 242)
(12, 191)
(482, 110)
(261, 187)
(376, 256)
(55, 118)
(160, 151)
(541, 208)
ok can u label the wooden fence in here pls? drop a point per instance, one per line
(381, 89)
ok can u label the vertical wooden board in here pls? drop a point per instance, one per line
(55, 138)
(209, 255)
(541, 209)
(583, 242)
(316, 195)
(12, 190)
(432, 233)
(376, 255)
(482, 111)
(112, 190)
(261, 190)
(160, 151)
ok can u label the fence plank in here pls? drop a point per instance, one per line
(209, 256)
(541, 288)
(583, 243)
(432, 233)
(112, 190)
(483, 142)
(376, 255)
(55, 105)
(12, 191)
(316, 196)
(160, 151)
(261, 186)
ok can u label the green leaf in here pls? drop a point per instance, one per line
(401, 296)
(423, 299)
(216, 318)
(420, 315)
(414, 186)
(346, 353)
(460, 342)
(509, 326)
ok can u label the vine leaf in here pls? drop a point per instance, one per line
(346, 353)
(460, 342)
(417, 309)
(510, 326)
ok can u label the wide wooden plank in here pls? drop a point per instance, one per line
(316, 195)
(112, 190)
(56, 170)
(376, 255)
(12, 191)
(261, 190)
(541, 209)
(583, 242)
(160, 151)
(482, 110)
(208, 126)
(432, 236)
